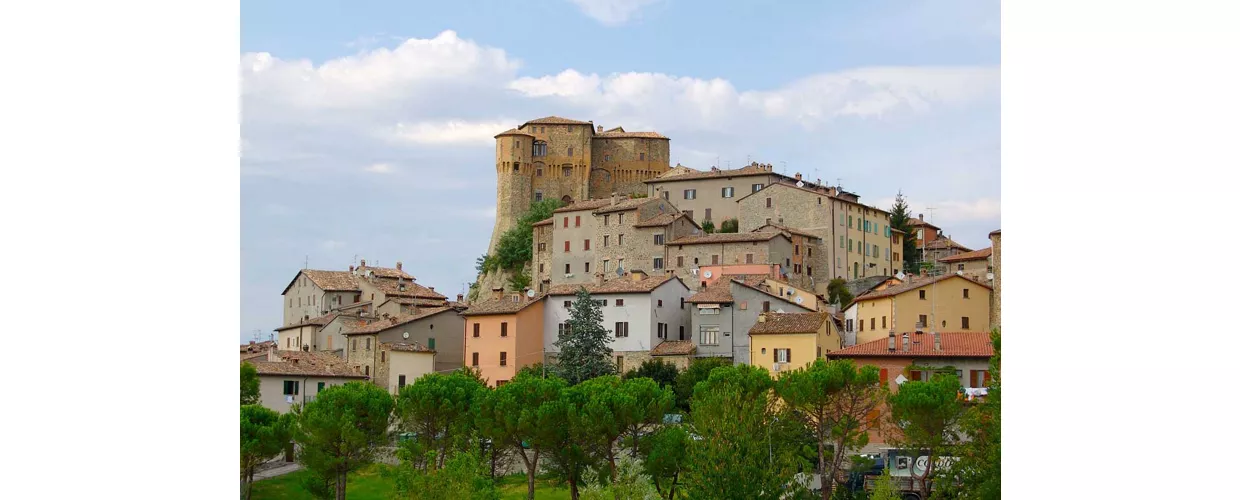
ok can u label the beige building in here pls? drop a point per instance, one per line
(691, 253)
(401, 363)
(996, 263)
(710, 195)
(789, 341)
(438, 329)
(944, 303)
(288, 378)
(975, 265)
(678, 353)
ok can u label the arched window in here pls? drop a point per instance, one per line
(540, 148)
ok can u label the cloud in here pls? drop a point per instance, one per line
(451, 132)
(612, 12)
(380, 168)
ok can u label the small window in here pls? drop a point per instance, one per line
(729, 192)
(964, 322)
(680, 261)
(658, 239)
(606, 157)
(320, 388)
(568, 172)
(477, 329)
(383, 356)
(538, 194)
(586, 246)
(682, 306)
(400, 384)
(921, 294)
(606, 218)
(566, 222)
(658, 263)
(568, 304)
(872, 323)
(660, 302)
(570, 151)
(768, 203)
(766, 306)
(756, 188)
(620, 239)
(690, 194)
(587, 267)
(714, 260)
(475, 363)
(430, 342)
(606, 240)
(368, 344)
(707, 214)
(682, 331)
(921, 320)
(568, 268)
(641, 156)
(503, 359)
(622, 329)
(291, 387)
(619, 302)
(367, 370)
(503, 329)
(966, 293)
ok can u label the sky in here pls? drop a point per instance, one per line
(367, 127)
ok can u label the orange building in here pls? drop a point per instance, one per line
(502, 335)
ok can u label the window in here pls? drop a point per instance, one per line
(401, 382)
(320, 387)
(540, 267)
(542, 247)
(477, 329)
(707, 214)
(709, 311)
(622, 329)
(516, 167)
(606, 240)
(570, 151)
(850, 245)
(743, 305)
(756, 188)
(568, 269)
(690, 194)
(430, 342)
(667, 195)
(682, 331)
(367, 343)
(714, 260)
(662, 330)
(620, 240)
(796, 249)
(352, 344)
(620, 364)
(768, 203)
(729, 192)
(658, 262)
(606, 219)
(568, 304)
(809, 270)
(921, 294)
(861, 325)
(503, 329)
(641, 156)
(710, 335)
(884, 322)
(680, 261)
(872, 323)
(577, 221)
(867, 250)
(658, 239)
(586, 246)
(587, 267)
(749, 258)
(383, 356)
(567, 171)
(921, 320)
(619, 302)
(964, 322)
(820, 202)
(540, 148)
(841, 241)
(660, 302)
(292, 387)
(566, 222)
(768, 221)
(848, 325)
(850, 220)
(606, 157)
(567, 245)
(766, 306)
(620, 218)
(809, 252)
(682, 303)
(367, 371)
(979, 378)
(606, 265)
(503, 359)
(783, 355)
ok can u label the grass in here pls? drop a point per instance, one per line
(369, 484)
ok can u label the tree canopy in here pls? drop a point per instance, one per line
(519, 416)
(977, 473)
(698, 371)
(901, 219)
(264, 434)
(249, 384)
(438, 409)
(585, 346)
(339, 431)
(837, 292)
(927, 414)
(655, 369)
(516, 246)
(730, 226)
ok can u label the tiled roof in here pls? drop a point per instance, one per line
(624, 284)
(725, 238)
(500, 306)
(555, 120)
(629, 135)
(788, 323)
(720, 292)
(258, 346)
(660, 220)
(310, 363)
(687, 174)
(384, 272)
(512, 131)
(921, 345)
(815, 190)
(974, 255)
(544, 222)
(861, 285)
(408, 301)
(331, 281)
(673, 348)
(941, 243)
(407, 347)
(354, 305)
(315, 321)
(920, 222)
(910, 285)
(391, 287)
(624, 204)
(350, 322)
(583, 205)
(377, 325)
(992, 233)
(786, 229)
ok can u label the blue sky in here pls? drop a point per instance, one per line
(366, 126)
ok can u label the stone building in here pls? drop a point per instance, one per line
(975, 265)
(723, 314)
(996, 263)
(438, 329)
(689, 253)
(288, 378)
(710, 195)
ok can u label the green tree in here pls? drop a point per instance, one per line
(743, 451)
(836, 402)
(339, 430)
(462, 476)
(927, 415)
(730, 226)
(515, 247)
(629, 484)
(885, 487)
(708, 227)
(264, 434)
(655, 369)
(437, 408)
(249, 384)
(976, 475)
(901, 219)
(585, 347)
(516, 416)
(697, 371)
(574, 441)
(639, 407)
(837, 292)
(519, 280)
(665, 458)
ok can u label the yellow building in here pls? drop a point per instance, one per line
(943, 303)
(788, 341)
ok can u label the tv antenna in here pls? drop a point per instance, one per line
(306, 265)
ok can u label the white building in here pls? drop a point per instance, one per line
(640, 312)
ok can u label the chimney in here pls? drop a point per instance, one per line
(431, 288)
(614, 199)
(938, 342)
(905, 349)
(398, 265)
(363, 263)
(798, 176)
(600, 129)
(639, 275)
(891, 342)
(497, 293)
(598, 279)
(460, 297)
(919, 217)
(350, 268)
(762, 318)
(251, 342)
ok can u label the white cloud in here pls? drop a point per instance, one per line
(568, 83)
(380, 168)
(612, 12)
(451, 132)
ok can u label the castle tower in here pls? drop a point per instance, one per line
(514, 187)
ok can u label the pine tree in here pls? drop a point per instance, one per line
(900, 219)
(585, 347)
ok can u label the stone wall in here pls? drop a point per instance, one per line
(632, 359)
(360, 357)
(997, 293)
(683, 258)
(621, 164)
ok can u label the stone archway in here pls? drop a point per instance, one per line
(568, 200)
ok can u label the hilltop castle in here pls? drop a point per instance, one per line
(571, 160)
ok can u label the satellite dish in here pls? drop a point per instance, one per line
(405, 335)
(529, 293)
(800, 184)
(800, 300)
(619, 271)
(706, 273)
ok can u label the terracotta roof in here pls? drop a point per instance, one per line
(407, 301)
(583, 205)
(674, 348)
(500, 306)
(920, 222)
(992, 233)
(816, 190)
(621, 134)
(555, 120)
(378, 324)
(512, 131)
(624, 284)
(315, 321)
(544, 222)
(309, 363)
(720, 292)
(725, 238)
(660, 220)
(787, 229)
(391, 287)
(910, 286)
(354, 305)
(941, 243)
(894, 230)
(625, 204)
(350, 322)
(974, 255)
(921, 345)
(258, 346)
(861, 285)
(788, 323)
(686, 174)
(331, 281)
(407, 347)
(384, 272)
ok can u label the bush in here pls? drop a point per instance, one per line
(730, 226)
(708, 227)
(655, 369)
(515, 247)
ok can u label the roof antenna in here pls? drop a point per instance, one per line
(307, 263)
(784, 165)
